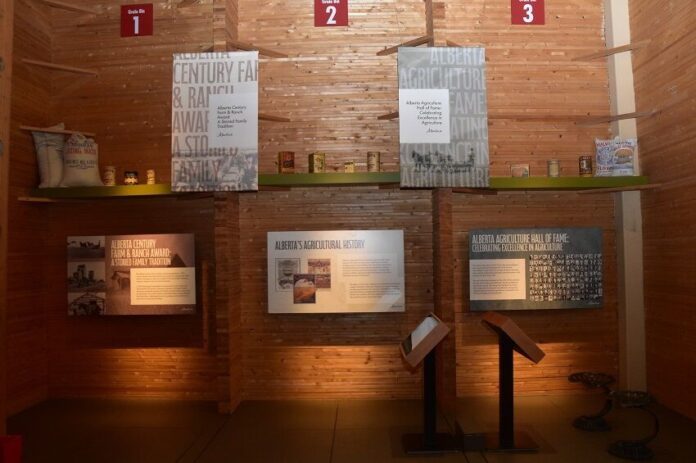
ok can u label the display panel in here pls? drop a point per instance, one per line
(535, 268)
(131, 275)
(336, 271)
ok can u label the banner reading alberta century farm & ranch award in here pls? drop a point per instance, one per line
(443, 117)
(215, 121)
(336, 271)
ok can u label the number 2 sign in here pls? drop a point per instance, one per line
(136, 20)
(527, 12)
(330, 13)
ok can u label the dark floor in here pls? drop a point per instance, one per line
(343, 431)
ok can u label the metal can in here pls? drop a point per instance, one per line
(130, 177)
(349, 166)
(553, 168)
(373, 161)
(286, 162)
(317, 163)
(110, 176)
(585, 166)
(150, 176)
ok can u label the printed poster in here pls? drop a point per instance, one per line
(336, 271)
(131, 275)
(443, 117)
(535, 268)
(215, 121)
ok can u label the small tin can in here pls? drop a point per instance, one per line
(317, 163)
(349, 167)
(585, 166)
(286, 162)
(110, 176)
(553, 168)
(373, 161)
(130, 177)
(151, 176)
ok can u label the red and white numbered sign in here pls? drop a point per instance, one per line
(330, 13)
(136, 20)
(527, 12)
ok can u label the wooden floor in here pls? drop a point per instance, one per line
(350, 431)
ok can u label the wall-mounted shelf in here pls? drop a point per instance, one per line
(50, 130)
(411, 43)
(608, 184)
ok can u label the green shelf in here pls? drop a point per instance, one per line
(565, 183)
(338, 179)
(119, 191)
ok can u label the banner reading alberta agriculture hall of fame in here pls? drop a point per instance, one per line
(215, 121)
(443, 117)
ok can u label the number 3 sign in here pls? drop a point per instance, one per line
(330, 13)
(527, 12)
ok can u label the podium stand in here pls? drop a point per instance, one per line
(510, 337)
(419, 347)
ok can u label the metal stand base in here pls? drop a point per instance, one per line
(591, 424)
(631, 450)
(414, 444)
(522, 442)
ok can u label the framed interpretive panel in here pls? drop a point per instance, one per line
(336, 271)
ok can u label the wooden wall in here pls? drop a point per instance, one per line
(664, 82)
(332, 88)
(574, 340)
(331, 355)
(27, 357)
(6, 40)
(140, 356)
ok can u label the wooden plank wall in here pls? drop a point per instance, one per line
(136, 356)
(6, 41)
(27, 357)
(574, 340)
(290, 356)
(664, 81)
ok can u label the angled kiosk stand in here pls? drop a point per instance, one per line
(419, 347)
(510, 337)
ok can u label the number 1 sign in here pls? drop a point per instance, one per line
(527, 12)
(330, 13)
(136, 20)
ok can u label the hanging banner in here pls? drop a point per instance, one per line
(443, 117)
(535, 268)
(131, 275)
(215, 121)
(336, 271)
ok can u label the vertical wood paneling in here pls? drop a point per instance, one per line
(444, 283)
(574, 340)
(26, 321)
(6, 38)
(331, 355)
(664, 81)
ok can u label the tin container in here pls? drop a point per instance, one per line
(317, 163)
(130, 177)
(553, 168)
(286, 162)
(110, 176)
(151, 176)
(349, 167)
(585, 166)
(373, 162)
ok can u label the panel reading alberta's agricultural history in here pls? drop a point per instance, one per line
(131, 275)
(535, 268)
(336, 271)
(215, 121)
(443, 117)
